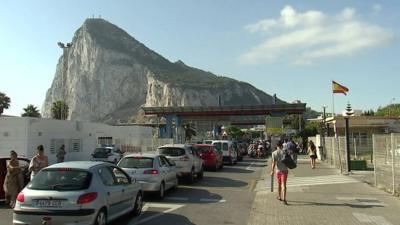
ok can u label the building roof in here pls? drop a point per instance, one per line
(298, 108)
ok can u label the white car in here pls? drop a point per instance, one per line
(229, 153)
(154, 172)
(80, 192)
(107, 154)
(187, 160)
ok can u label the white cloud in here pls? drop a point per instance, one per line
(303, 38)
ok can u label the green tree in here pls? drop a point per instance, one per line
(389, 110)
(31, 111)
(59, 110)
(4, 102)
(235, 132)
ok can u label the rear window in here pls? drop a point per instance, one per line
(61, 180)
(217, 145)
(202, 149)
(101, 153)
(136, 162)
(171, 151)
(225, 146)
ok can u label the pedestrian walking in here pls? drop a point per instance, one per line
(312, 152)
(281, 171)
(61, 154)
(13, 182)
(38, 162)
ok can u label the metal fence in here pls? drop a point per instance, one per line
(381, 152)
(141, 145)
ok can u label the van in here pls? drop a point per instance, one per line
(229, 153)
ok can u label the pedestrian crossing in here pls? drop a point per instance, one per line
(315, 180)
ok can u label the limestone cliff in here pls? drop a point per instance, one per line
(107, 75)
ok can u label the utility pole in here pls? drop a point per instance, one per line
(65, 49)
(323, 133)
(347, 114)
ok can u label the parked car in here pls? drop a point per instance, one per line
(80, 192)
(154, 172)
(229, 152)
(212, 158)
(188, 162)
(107, 154)
(24, 162)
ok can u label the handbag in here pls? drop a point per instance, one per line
(288, 161)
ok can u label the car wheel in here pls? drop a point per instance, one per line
(221, 166)
(137, 210)
(200, 174)
(101, 218)
(161, 192)
(190, 178)
(176, 183)
(216, 167)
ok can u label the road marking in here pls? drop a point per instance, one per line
(212, 200)
(364, 218)
(176, 199)
(309, 181)
(171, 207)
(249, 167)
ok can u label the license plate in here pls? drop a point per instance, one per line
(45, 203)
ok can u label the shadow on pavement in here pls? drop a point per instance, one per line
(228, 169)
(219, 182)
(153, 217)
(359, 206)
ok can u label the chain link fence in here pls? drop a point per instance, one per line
(381, 152)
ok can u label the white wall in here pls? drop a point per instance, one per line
(25, 134)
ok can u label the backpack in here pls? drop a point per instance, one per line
(288, 161)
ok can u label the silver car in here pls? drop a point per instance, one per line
(188, 161)
(81, 192)
(155, 172)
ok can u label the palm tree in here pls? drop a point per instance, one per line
(4, 102)
(59, 110)
(31, 111)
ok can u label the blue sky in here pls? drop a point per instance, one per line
(292, 48)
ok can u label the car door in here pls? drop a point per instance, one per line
(112, 189)
(197, 159)
(128, 190)
(170, 174)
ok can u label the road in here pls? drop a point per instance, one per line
(223, 197)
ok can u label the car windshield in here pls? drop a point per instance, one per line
(136, 162)
(225, 146)
(203, 149)
(171, 151)
(217, 145)
(61, 179)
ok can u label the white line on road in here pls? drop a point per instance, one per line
(213, 200)
(248, 168)
(172, 207)
(364, 218)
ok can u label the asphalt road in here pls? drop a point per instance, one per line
(223, 197)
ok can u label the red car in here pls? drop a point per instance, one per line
(212, 158)
(3, 171)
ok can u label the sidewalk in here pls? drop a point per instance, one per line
(322, 196)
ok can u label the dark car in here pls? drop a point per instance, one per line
(3, 171)
(212, 158)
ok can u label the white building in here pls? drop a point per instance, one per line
(24, 134)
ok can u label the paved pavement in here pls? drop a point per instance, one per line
(323, 196)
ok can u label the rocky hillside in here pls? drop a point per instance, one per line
(107, 75)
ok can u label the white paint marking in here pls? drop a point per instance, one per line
(172, 207)
(176, 199)
(249, 167)
(213, 200)
(379, 220)
(362, 217)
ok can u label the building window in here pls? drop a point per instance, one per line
(76, 145)
(55, 144)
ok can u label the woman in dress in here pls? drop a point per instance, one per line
(312, 152)
(13, 182)
(38, 162)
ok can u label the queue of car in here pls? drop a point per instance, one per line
(111, 184)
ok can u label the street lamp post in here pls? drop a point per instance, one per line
(346, 114)
(64, 72)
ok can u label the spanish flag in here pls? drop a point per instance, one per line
(337, 88)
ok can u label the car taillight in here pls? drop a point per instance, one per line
(87, 198)
(152, 172)
(184, 158)
(21, 197)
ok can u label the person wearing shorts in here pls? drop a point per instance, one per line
(281, 171)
